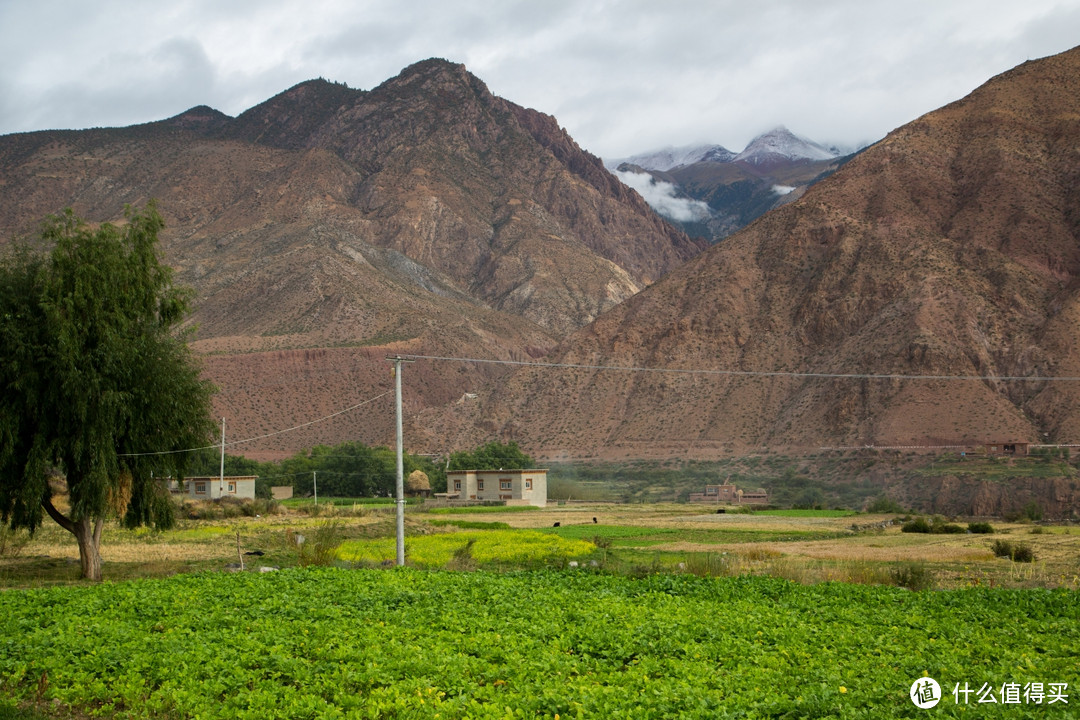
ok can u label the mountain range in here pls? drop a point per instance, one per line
(880, 303)
(883, 307)
(711, 192)
(330, 226)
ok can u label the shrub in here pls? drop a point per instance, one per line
(601, 542)
(946, 529)
(1037, 530)
(980, 528)
(1002, 548)
(321, 548)
(1032, 511)
(261, 506)
(1022, 553)
(884, 505)
(463, 558)
(913, 576)
(1017, 553)
(918, 525)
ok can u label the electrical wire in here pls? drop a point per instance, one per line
(630, 368)
(746, 373)
(260, 437)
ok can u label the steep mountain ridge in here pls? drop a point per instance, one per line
(950, 248)
(425, 214)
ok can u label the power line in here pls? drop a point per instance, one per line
(260, 437)
(747, 373)
(303, 425)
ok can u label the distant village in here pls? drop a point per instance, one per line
(464, 487)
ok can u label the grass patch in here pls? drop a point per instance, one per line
(637, 536)
(200, 533)
(470, 524)
(806, 513)
(471, 509)
(344, 501)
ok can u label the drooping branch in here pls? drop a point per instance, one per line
(56, 515)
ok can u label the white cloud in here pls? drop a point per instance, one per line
(623, 76)
(661, 197)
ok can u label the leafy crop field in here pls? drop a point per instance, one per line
(332, 642)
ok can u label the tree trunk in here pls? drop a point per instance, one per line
(88, 534)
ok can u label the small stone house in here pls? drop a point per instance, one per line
(215, 487)
(728, 494)
(513, 487)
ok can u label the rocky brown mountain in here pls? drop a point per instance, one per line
(329, 226)
(945, 258)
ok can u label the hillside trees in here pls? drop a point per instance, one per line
(98, 387)
(349, 469)
(493, 456)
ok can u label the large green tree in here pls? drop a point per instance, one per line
(493, 456)
(97, 386)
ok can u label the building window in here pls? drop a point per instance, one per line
(457, 485)
(200, 488)
(528, 483)
(479, 484)
(505, 484)
(232, 487)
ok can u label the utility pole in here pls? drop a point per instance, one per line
(397, 360)
(221, 476)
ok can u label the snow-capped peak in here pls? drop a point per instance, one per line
(670, 158)
(782, 144)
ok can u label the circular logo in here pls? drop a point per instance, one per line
(925, 693)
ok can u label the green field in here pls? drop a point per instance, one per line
(672, 611)
(332, 642)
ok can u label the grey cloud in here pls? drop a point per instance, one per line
(623, 76)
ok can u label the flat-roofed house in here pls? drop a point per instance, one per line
(728, 494)
(513, 487)
(214, 488)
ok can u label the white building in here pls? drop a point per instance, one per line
(214, 488)
(513, 487)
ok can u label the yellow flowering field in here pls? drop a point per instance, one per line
(484, 546)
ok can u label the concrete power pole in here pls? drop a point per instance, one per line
(397, 360)
(221, 476)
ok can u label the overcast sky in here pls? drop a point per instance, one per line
(623, 76)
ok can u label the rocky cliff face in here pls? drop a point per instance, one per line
(1055, 498)
(950, 248)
